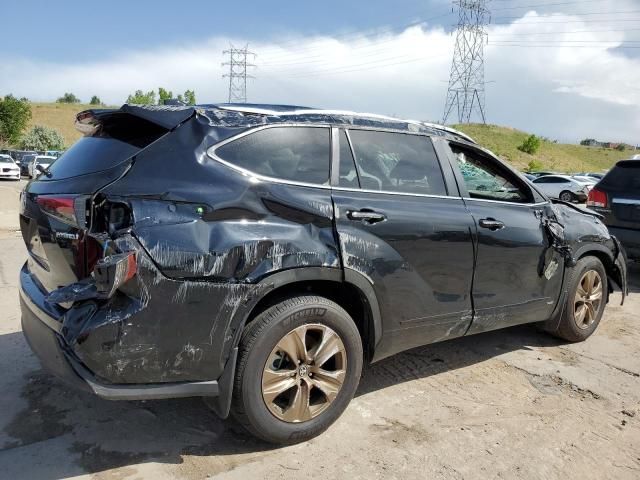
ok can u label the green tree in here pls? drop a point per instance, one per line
(95, 100)
(42, 138)
(621, 147)
(68, 98)
(530, 145)
(190, 97)
(14, 116)
(164, 95)
(141, 98)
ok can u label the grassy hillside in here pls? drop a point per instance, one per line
(504, 142)
(60, 116)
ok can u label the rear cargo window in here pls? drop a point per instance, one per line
(301, 154)
(119, 138)
(624, 176)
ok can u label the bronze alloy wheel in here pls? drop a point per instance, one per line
(304, 373)
(588, 299)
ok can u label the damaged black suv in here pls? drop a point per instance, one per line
(259, 255)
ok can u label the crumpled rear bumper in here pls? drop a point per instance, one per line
(42, 326)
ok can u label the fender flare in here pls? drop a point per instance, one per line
(337, 275)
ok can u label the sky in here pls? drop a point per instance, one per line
(564, 69)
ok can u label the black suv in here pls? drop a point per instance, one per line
(259, 255)
(617, 198)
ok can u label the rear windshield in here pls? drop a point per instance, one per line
(625, 176)
(120, 137)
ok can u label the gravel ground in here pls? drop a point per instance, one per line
(507, 404)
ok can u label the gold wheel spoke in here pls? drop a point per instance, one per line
(276, 382)
(581, 292)
(580, 313)
(298, 409)
(293, 345)
(328, 347)
(329, 382)
(590, 314)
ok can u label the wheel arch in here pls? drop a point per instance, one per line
(603, 254)
(348, 289)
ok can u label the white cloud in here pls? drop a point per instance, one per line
(565, 92)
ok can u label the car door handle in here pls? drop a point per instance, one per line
(491, 224)
(366, 216)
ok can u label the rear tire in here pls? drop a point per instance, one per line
(567, 196)
(586, 301)
(276, 395)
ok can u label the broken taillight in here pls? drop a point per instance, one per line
(111, 272)
(597, 198)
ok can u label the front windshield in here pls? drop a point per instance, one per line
(5, 160)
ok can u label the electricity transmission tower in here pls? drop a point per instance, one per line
(466, 81)
(238, 73)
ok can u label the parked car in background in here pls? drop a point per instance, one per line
(260, 255)
(563, 187)
(43, 160)
(8, 155)
(8, 168)
(25, 161)
(541, 174)
(597, 176)
(617, 197)
(585, 179)
(529, 177)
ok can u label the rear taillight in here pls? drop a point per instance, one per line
(60, 207)
(71, 209)
(597, 198)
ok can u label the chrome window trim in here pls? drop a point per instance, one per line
(625, 201)
(504, 202)
(386, 192)
(211, 153)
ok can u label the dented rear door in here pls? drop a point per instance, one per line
(415, 247)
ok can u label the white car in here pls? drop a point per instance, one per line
(563, 187)
(8, 168)
(585, 179)
(43, 160)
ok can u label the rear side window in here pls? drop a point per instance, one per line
(625, 176)
(397, 162)
(300, 154)
(119, 137)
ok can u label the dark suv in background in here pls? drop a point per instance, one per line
(617, 198)
(259, 255)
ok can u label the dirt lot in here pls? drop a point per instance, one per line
(508, 404)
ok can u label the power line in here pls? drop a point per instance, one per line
(585, 14)
(238, 73)
(356, 34)
(544, 5)
(466, 80)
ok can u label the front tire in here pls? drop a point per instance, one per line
(585, 303)
(299, 366)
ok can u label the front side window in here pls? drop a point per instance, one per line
(397, 162)
(301, 154)
(486, 180)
